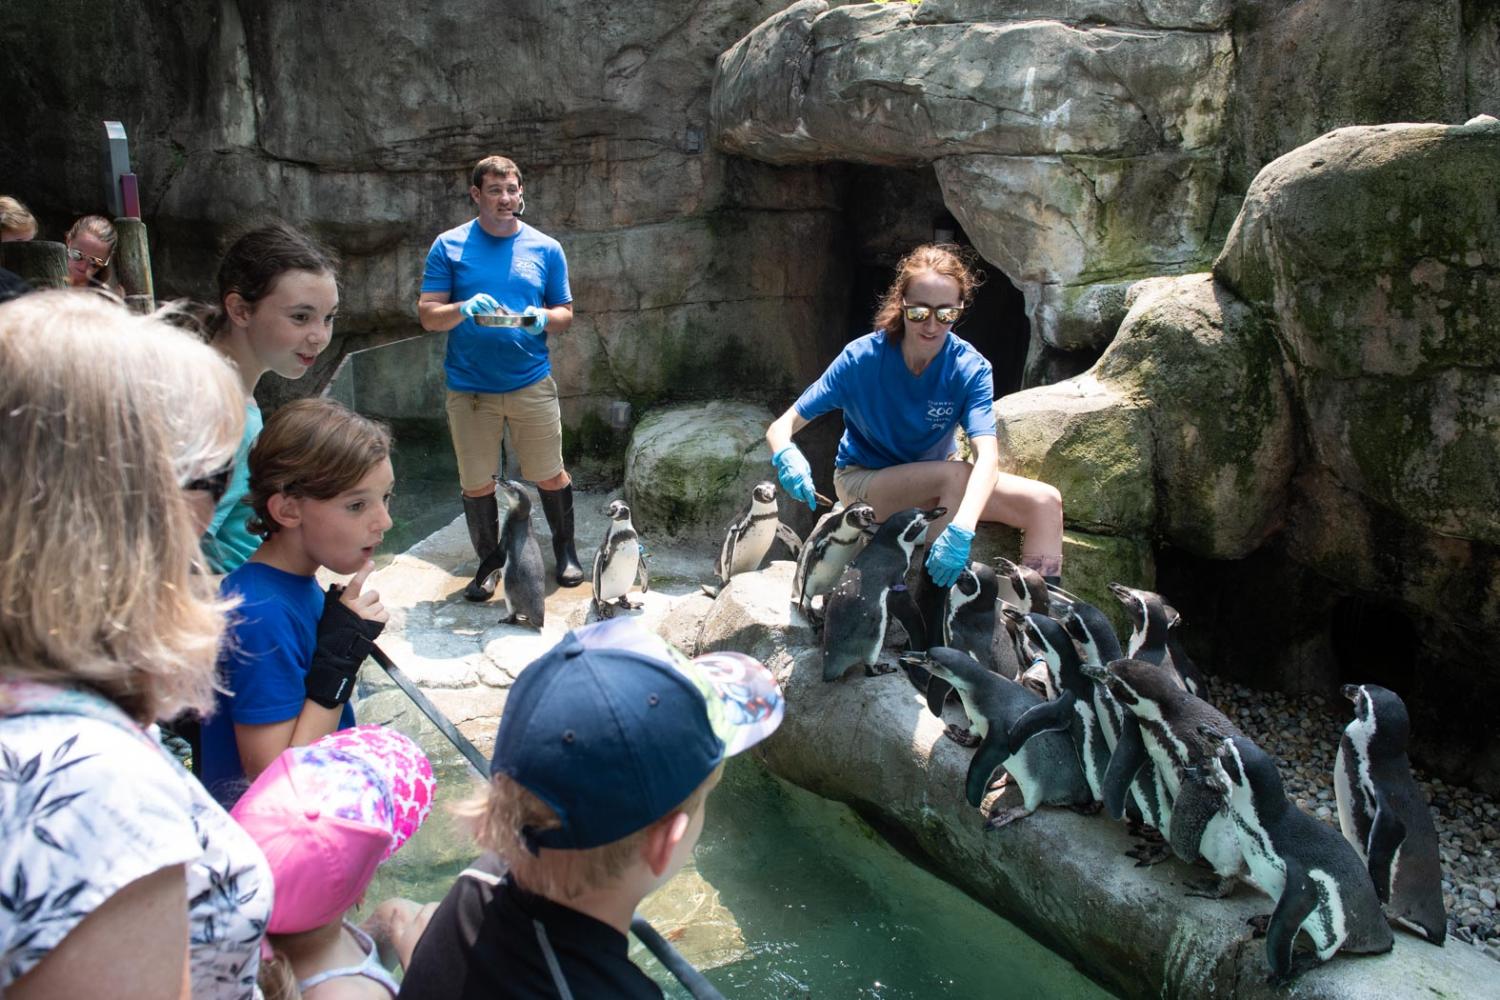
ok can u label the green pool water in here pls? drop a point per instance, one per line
(811, 903)
(789, 895)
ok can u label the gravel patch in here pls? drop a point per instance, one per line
(1303, 734)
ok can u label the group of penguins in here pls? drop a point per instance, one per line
(1074, 719)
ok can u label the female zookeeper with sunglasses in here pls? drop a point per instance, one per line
(903, 389)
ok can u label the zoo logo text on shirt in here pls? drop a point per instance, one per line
(939, 411)
(528, 269)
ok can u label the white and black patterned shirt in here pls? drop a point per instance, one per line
(88, 805)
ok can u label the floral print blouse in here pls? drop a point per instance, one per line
(90, 803)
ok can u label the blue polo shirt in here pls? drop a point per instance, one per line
(266, 654)
(892, 417)
(526, 269)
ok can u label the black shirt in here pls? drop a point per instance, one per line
(492, 939)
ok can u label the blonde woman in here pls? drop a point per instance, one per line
(117, 866)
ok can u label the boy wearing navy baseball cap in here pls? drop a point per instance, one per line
(608, 748)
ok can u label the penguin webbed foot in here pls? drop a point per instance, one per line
(1144, 831)
(878, 669)
(1005, 817)
(1214, 888)
(1087, 808)
(1259, 925)
(604, 610)
(964, 737)
(629, 605)
(1147, 854)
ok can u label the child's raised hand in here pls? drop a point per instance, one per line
(363, 602)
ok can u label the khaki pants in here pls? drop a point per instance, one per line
(852, 483)
(477, 422)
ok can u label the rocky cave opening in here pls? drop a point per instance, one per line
(887, 212)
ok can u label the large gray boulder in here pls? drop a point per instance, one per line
(1379, 262)
(872, 743)
(1182, 431)
(690, 468)
(1072, 146)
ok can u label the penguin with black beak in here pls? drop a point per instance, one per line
(1384, 814)
(1045, 770)
(1319, 883)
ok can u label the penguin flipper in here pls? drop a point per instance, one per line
(789, 538)
(1298, 898)
(641, 573)
(938, 691)
(1387, 833)
(990, 755)
(1129, 757)
(1048, 717)
(901, 606)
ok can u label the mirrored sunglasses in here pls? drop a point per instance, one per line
(80, 255)
(214, 484)
(944, 314)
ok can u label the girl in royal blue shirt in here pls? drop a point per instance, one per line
(903, 389)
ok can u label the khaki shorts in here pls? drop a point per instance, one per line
(477, 421)
(852, 483)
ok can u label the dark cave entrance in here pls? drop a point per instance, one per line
(889, 211)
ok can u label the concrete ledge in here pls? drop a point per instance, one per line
(870, 742)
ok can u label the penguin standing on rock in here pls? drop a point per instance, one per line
(1384, 815)
(520, 557)
(1045, 770)
(749, 538)
(1073, 712)
(618, 563)
(1171, 722)
(835, 540)
(1150, 638)
(870, 592)
(1319, 884)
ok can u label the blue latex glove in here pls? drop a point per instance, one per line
(795, 475)
(541, 319)
(480, 303)
(947, 557)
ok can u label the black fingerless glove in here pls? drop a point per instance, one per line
(344, 640)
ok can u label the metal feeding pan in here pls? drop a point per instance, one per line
(504, 319)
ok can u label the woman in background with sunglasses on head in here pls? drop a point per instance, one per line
(91, 253)
(903, 389)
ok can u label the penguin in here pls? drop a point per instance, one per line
(835, 540)
(749, 537)
(872, 590)
(1384, 814)
(1170, 719)
(1073, 712)
(1022, 587)
(520, 557)
(1046, 769)
(1098, 645)
(966, 621)
(618, 563)
(1150, 627)
(1318, 881)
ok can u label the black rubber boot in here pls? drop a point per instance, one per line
(558, 506)
(483, 517)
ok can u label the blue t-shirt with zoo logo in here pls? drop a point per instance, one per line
(892, 417)
(527, 269)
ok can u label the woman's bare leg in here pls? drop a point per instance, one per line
(1036, 508)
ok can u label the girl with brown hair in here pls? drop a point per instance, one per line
(320, 487)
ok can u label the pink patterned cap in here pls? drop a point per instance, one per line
(327, 814)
